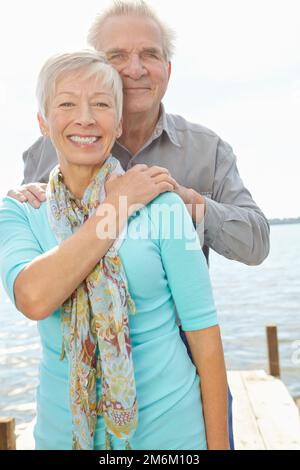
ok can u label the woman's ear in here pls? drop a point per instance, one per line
(43, 125)
(169, 70)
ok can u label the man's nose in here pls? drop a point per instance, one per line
(85, 116)
(134, 68)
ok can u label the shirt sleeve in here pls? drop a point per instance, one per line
(184, 264)
(18, 245)
(234, 225)
(39, 160)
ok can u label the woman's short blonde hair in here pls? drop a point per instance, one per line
(132, 8)
(90, 63)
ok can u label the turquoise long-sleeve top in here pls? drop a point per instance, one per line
(165, 267)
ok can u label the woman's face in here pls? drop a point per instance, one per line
(81, 120)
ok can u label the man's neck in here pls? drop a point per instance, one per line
(137, 130)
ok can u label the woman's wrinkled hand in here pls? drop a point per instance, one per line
(140, 185)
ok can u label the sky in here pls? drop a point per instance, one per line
(236, 71)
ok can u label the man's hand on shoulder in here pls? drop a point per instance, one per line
(34, 193)
(194, 202)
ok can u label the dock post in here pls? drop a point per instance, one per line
(273, 350)
(7, 434)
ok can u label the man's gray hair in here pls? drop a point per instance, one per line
(132, 8)
(88, 62)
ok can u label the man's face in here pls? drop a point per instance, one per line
(133, 45)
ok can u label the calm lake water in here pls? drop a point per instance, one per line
(247, 298)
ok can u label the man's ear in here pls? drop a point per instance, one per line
(169, 70)
(119, 129)
(43, 125)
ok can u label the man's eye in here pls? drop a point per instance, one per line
(151, 55)
(117, 57)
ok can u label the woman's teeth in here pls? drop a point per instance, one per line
(83, 140)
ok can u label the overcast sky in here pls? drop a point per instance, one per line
(236, 71)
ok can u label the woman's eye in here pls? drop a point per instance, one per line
(66, 105)
(101, 104)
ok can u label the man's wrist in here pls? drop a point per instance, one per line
(196, 204)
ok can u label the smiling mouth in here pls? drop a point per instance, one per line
(87, 140)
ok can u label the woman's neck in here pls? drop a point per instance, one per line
(78, 177)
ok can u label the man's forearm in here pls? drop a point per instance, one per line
(238, 233)
(208, 357)
(51, 278)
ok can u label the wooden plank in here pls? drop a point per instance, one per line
(7, 434)
(245, 429)
(275, 411)
(24, 433)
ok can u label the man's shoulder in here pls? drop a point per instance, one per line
(180, 124)
(202, 136)
(40, 144)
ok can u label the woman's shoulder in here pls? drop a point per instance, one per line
(24, 222)
(11, 209)
(14, 213)
(168, 198)
(165, 203)
(168, 213)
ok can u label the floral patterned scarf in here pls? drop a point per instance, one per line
(95, 325)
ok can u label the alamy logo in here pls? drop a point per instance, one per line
(160, 221)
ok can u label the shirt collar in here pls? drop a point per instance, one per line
(165, 124)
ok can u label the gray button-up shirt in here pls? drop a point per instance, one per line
(197, 158)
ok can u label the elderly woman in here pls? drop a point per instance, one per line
(102, 283)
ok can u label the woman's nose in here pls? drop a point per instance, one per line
(134, 68)
(85, 116)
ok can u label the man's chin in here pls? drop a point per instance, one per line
(137, 108)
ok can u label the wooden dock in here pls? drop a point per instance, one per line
(265, 416)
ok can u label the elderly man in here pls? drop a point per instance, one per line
(203, 166)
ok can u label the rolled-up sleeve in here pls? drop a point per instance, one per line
(234, 225)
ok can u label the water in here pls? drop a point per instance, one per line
(247, 298)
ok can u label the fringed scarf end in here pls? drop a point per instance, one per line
(107, 440)
(127, 445)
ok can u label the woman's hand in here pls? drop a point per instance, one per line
(140, 185)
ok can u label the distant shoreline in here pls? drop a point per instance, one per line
(284, 221)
